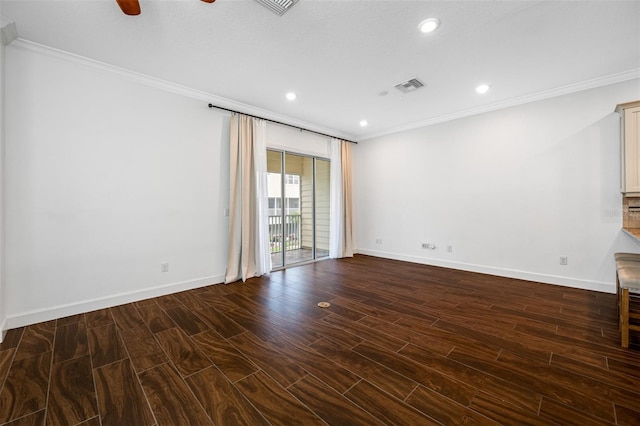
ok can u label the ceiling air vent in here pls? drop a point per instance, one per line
(409, 85)
(279, 7)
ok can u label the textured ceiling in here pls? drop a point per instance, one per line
(339, 55)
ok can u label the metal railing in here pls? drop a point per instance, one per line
(287, 236)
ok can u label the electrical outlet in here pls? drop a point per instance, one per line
(425, 245)
(449, 249)
(378, 240)
(164, 267)
(564, 260)
(428, 246)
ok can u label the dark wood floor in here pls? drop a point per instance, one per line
(401, 344)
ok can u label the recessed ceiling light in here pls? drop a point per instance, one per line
(291, 96)
(483, 88)
(363, 123)
(429, 25)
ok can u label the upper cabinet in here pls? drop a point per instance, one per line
(630, 148)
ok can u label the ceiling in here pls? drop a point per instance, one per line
(338, 56)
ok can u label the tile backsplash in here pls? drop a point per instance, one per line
(631, 212)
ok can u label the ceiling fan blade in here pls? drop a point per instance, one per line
(208, 1)
(129, 7)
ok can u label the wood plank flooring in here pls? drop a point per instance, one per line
(401, 344)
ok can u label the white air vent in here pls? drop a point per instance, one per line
(409, 85)
(278, 7)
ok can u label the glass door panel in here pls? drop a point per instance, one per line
(299, 215)
(323, 187)
(274, 192)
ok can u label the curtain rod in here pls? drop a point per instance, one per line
(279, 122)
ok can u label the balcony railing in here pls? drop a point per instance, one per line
(287, 236)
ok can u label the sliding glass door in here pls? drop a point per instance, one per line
(298, 191)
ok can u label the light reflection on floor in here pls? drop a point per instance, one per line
(296, 256)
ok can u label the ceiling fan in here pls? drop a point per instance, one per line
(132, 7)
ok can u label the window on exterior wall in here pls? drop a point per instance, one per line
(293, 203)
(292, 179)
(275, 205)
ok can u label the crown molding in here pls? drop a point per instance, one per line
(255, 111)
(178, 89)
(8, 31)
(538, 96)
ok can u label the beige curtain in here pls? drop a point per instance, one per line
(248, 229)
(340, 234)
(347, 240)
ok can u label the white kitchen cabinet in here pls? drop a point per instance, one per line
(630, 147)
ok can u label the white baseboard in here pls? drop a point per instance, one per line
(61, 311)
(501, 272)
(3, 329)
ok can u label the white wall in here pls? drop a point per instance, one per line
(511, 191)
(285, 138)
(3, 310)
(106, 178)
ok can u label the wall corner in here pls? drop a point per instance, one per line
(8, 33)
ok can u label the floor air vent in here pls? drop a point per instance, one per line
(409, 85)
(278, 7)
